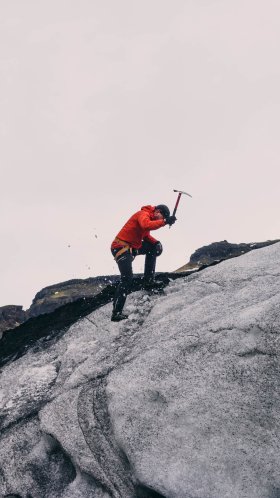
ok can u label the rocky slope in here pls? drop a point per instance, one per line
(55, 296)
(219, 251)
(180, 401)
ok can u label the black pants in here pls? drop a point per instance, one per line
(125, 266)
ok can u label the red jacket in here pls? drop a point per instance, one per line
(138, 227)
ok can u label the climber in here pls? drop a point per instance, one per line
(134, 239)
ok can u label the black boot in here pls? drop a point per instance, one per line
(117, 316)
(154, 286)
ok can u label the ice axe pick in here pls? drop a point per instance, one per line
(180, 192)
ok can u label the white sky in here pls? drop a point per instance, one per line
(106, 106)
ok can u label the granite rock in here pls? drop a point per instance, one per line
(181, 400)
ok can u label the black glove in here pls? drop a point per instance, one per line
(170, 220)
(158, 246)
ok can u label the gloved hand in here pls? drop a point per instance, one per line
(158, 248)
(170, 220)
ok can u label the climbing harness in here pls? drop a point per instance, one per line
(126, 247)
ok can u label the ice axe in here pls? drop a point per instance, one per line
(180, 192)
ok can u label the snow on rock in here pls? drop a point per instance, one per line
(181, 400)
(200, 413)
(26, 392)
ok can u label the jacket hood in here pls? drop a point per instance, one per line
(148, 209)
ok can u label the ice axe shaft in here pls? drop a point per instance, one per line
(180, 192)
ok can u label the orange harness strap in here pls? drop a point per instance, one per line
(126, 247)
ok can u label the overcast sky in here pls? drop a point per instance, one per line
(106, 106)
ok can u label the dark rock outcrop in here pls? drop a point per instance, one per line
(10, 317)
(219, 251)
(54, 296)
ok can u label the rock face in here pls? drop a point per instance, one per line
(10, 317)
(57, 295)
(219, 251)
(53, 297)
(182, 400)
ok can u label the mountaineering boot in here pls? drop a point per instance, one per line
(117, 316)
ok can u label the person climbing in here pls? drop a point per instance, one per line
(134, 239)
